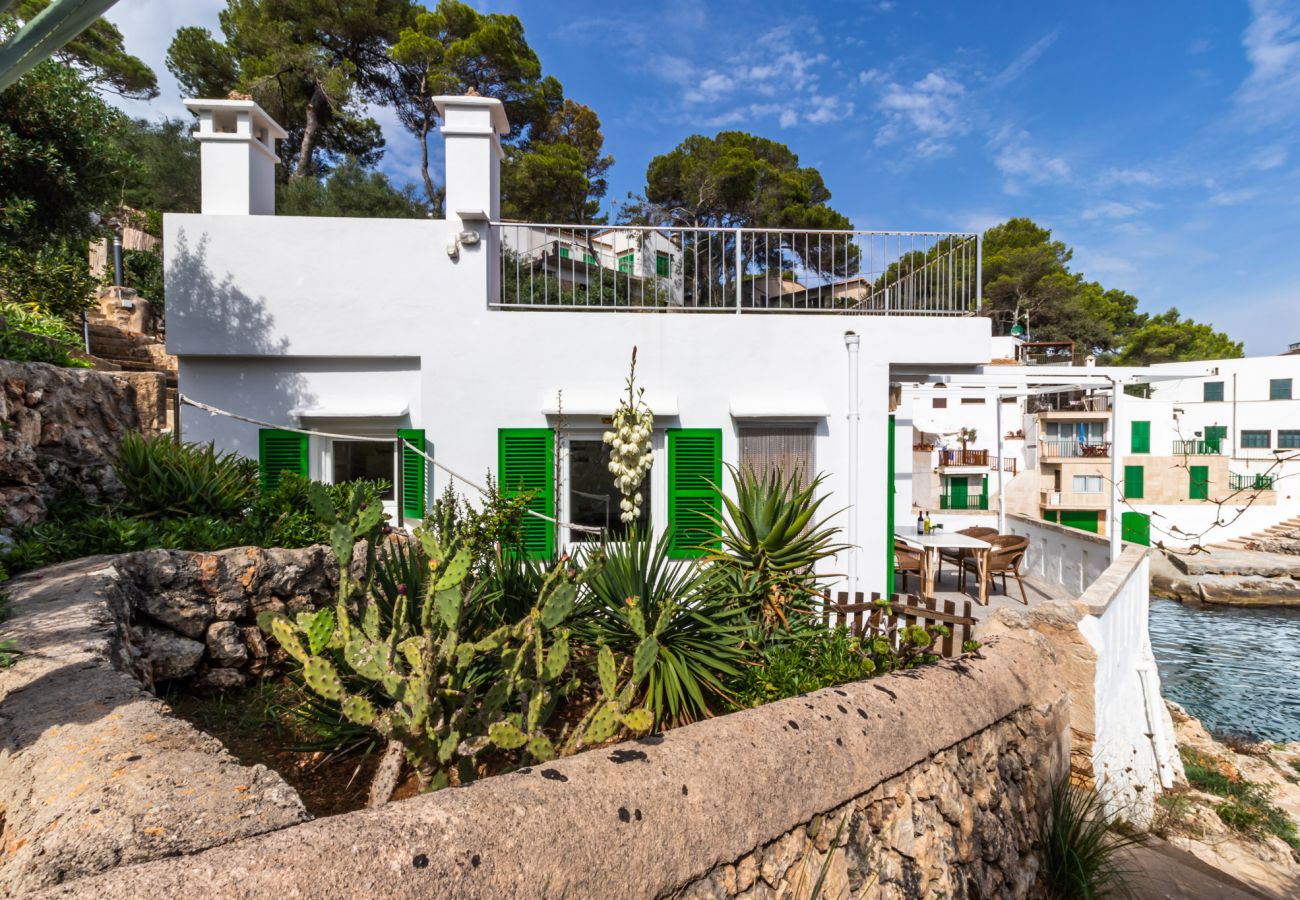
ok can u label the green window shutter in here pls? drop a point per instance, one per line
(663, 265)
(1279, 389)
(564, 253)
(526, 463)
(694, 467)
(1136, 528)
(1141, 437)
(279, 452)
(1049, 515)
(1199, 483)
(984, 494)
(1082, 519)
(413, 470)
(1134, 482)
(1212, 391)
(589, 259)
(627, 263)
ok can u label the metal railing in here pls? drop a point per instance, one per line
(967, 501)
(1249, 482)
(1197, 448)
(1070, 449)
(961, 457)
(690, 269)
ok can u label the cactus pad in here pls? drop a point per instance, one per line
(605, 669)
(448, 603)
(320, 629)
(603, 724)
(506, 736)
(367, 658)
(559, 605)
(360, 710)
(541, 748)
(647, 652)
(455, 571)
(638, 720)
(557, 660)
(321, 678)
(286, 635)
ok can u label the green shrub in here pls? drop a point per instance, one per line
(640, 591)
(22, 348)
(1247, 806)
(52, 277)
(33, 321)
(1081, 851)
(165, 478)
(144, 274)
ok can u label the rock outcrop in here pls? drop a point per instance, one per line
(1228, 577)
(59, 430)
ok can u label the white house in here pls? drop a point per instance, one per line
(433, 330)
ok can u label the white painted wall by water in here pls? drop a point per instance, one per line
(1065, 557)
(1134, 750)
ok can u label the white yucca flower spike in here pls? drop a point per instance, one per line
(630, 446)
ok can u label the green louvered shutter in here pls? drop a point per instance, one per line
(1136, 528)
(1141, 437)
(1198, 478)
(1134, 482)
(694, 467)
(526, 462)
(414, 468)
(279, 452)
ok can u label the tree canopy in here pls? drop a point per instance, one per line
(559, 173)
(312, 64)
(351, 190)
(1027, 280)
(736, 179)
(99, 55)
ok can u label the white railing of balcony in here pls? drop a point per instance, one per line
(1070, 449)
(687, 269)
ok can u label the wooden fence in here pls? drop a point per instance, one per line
(865, 617)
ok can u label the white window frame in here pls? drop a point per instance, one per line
(320, 466)
(658, 479)
(1075, 489)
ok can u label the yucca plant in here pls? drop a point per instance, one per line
(641, 592)
(771, 540)
(165, 478)
(1082, 851)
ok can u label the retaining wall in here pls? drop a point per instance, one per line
(934, 780)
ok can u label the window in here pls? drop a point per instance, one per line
(663, 265)
(626, 261)
(365, 459)
(1213, 391)
(1090, 432)
(564, 253)
(1279, 389)
(783, 448)
(1087, 484)
(1256, 439)
(1288, 440)
(589, 259)
(972, 401)
(939, 402)
(593, 498)
(1134, 482)
(1141, 437)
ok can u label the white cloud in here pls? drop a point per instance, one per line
(710, 87)
(789, 118)
(1115, 209)
(1233, 197)
(148, 27)
(823, 110)
(1271, 92)
(932, 108)
(1021, 63)
(1022, 164)
(1130, 177)
(1267, 158)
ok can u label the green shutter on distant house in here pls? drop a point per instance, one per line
(694, 467)
(1134, 482)
(413, 472)
(526, 463)
(1141, 437)
(664, 266)
(1199, 483)
(1049, 515)
(1082, 519)
(279, 452)
(1135, 528)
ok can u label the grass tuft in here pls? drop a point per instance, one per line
(1081, 847)
(1247, 806)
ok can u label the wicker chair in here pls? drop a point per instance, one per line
(1005, 559)
(956, 556)
(906, 559)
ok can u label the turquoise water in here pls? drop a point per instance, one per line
(1234, 669)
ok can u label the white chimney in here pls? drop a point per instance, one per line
(237, 154)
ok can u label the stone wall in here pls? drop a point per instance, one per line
(928, 783)
(59, 430)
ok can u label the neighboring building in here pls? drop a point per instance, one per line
(450, 334)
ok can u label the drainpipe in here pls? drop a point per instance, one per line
(117, 256)
(1002, 503)
(851, 341)
(1116, 471)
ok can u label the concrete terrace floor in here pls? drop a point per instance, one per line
(946, 589)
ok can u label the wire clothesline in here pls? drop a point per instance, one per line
(217, 411)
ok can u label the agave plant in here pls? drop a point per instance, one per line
(166, 478)
(639, 593)
(770, 543)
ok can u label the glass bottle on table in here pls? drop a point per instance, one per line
(928, 526)
(920, 523)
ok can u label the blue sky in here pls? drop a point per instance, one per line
(1159, 140)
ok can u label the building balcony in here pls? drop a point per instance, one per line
(1075, 500)
(959, 457)
(1250, 482)
(635, 268)
(1074, 449)
(963, 501)
(1198, 448)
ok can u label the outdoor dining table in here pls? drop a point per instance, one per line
(931, 544)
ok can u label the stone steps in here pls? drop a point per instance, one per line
(1274, 532)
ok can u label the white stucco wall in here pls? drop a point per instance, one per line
(1134, 751)
(1058, 555)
